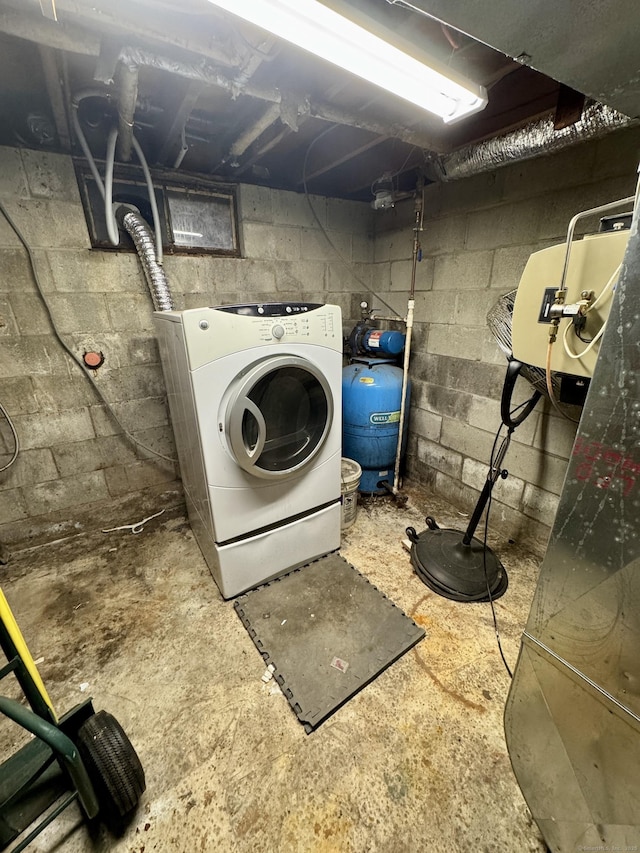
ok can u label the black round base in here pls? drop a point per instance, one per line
(457, 571)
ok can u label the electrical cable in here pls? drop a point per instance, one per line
(606, 290)
(65, 346)
(492, 460)
(590, 344)
(580, 338)
(406, 160)
(493, 609)
(106, 193)
(501, 454)
(392, 175)
(16, 440)
(344, 261)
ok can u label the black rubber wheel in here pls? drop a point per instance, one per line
(113, 766)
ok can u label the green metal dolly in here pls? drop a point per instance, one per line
(83, 756)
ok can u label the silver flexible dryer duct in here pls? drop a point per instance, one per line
(143, 240)
(533, 140)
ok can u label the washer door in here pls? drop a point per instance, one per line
(278, 416)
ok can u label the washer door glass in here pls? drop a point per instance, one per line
(279, 416)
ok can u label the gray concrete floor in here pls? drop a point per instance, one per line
(415, 762)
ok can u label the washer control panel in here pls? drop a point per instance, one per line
(289, 322)
(211, 333)
(270, 309)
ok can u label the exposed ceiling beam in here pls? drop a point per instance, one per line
(337, 115)
(60, 36)
(163, 27)
(265, 147)
(213, 76)
(55, 92)
(174, 134)
(330, 165)
(69, 37)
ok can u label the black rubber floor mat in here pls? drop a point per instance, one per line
(327, 631)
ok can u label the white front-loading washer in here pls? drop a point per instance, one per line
(254, 395)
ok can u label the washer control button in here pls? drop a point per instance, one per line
(277, 332)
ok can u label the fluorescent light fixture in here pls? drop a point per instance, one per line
(338, 39)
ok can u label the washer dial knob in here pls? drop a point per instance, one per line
(277, 332)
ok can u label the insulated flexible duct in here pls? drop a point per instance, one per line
(533, 140)
(142, 238)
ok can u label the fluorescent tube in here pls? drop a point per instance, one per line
(324, 32)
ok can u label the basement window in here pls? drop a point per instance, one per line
(199, 222)
(195, 217)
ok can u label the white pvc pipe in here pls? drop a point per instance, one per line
(403, 400)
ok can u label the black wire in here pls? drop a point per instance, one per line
(65, 346)
(321, 226)
(486, 536)
(395, 174)
(521, 405)
(16, 439)
(493, 609)
(578, 326)
(584, 340)
(492, 461)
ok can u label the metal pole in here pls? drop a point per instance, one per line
(417, 228)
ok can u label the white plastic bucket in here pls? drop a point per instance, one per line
(350, 473)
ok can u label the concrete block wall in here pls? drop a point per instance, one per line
(478, 235)
(76, 471)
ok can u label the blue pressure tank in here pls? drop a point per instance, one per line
(371, 394)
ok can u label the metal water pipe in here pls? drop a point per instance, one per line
(415, 257)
